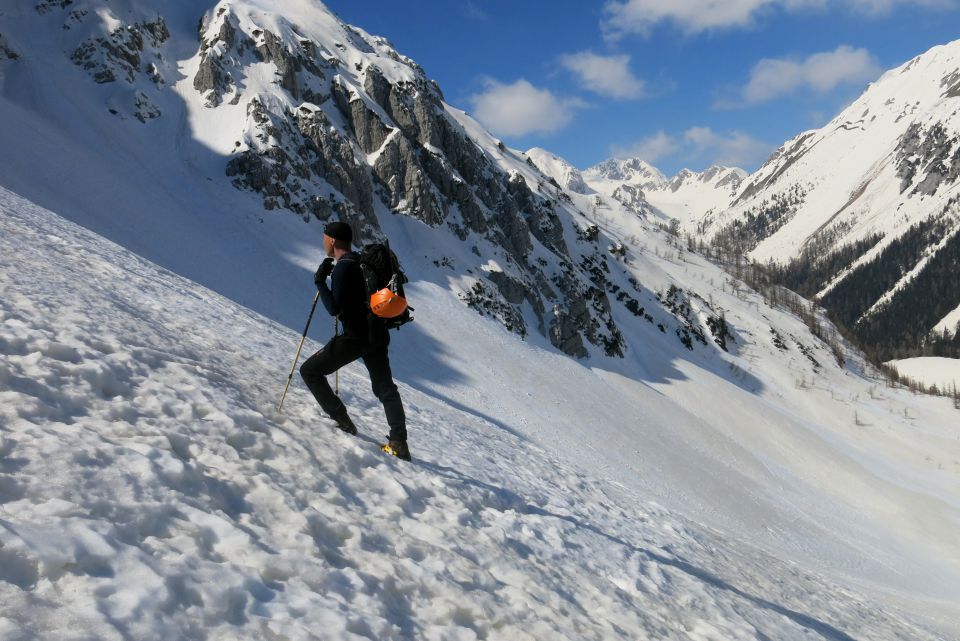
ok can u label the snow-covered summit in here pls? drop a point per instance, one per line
(883, 175)
(566, 175)
(635, 171)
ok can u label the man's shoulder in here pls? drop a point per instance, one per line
(349, 259)
(348, 263)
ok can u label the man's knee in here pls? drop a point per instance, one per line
(306, 373)
(312, 368)
(385, 389)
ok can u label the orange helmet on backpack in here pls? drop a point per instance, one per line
(386, 303)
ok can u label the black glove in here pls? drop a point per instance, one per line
(323, 271)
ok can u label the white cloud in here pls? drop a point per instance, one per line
(881, 7)
(473, 12)
(820, 72)
(699, 145)
(625, 17)
(651, 149)
(520, 108)
(734, 148)
(608, 76)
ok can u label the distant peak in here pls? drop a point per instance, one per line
(561, 170)
(632, 170)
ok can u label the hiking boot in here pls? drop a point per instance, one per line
(344, 423)
(398, 449)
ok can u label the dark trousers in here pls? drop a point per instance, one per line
(342, 350)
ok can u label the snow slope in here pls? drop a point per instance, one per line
(689, 195)
(148, 490)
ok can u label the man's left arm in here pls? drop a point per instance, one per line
(331, 296)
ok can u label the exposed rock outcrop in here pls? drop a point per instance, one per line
(6, 52)
(927, 159)
(633, 198)
(119, 55)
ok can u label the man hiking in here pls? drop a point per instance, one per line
(363, 337)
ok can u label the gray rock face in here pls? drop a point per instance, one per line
(119, 55)
(951, 85)
(367, 126)
(482, 299)
(565, 329)
(681, 179)
(516, 292)
(46, 6)
(611, 170)
(412, 107)
(271, 49)
(733, 180)
(633, 170)
(633, 198)
(320, 155)
(927, 159)
(212, 80)
(145, 109)
(131, 53)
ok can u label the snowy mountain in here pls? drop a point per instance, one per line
(705, 468)
(867, 206)
(632, 170)
(686, 197)
(861, 214)
(235, 107)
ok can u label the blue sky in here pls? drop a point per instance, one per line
(681, 83)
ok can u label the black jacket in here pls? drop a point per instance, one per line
(346, 296)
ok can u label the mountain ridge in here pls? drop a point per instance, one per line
(684, 197)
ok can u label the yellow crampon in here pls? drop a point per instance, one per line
(401, 453)
(389, 450)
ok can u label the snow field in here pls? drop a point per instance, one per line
(931, 370)
(148, 491)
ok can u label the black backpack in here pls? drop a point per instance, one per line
(381, 269)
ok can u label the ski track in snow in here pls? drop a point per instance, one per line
(147, 490)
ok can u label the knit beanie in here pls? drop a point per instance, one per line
(339, 231)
